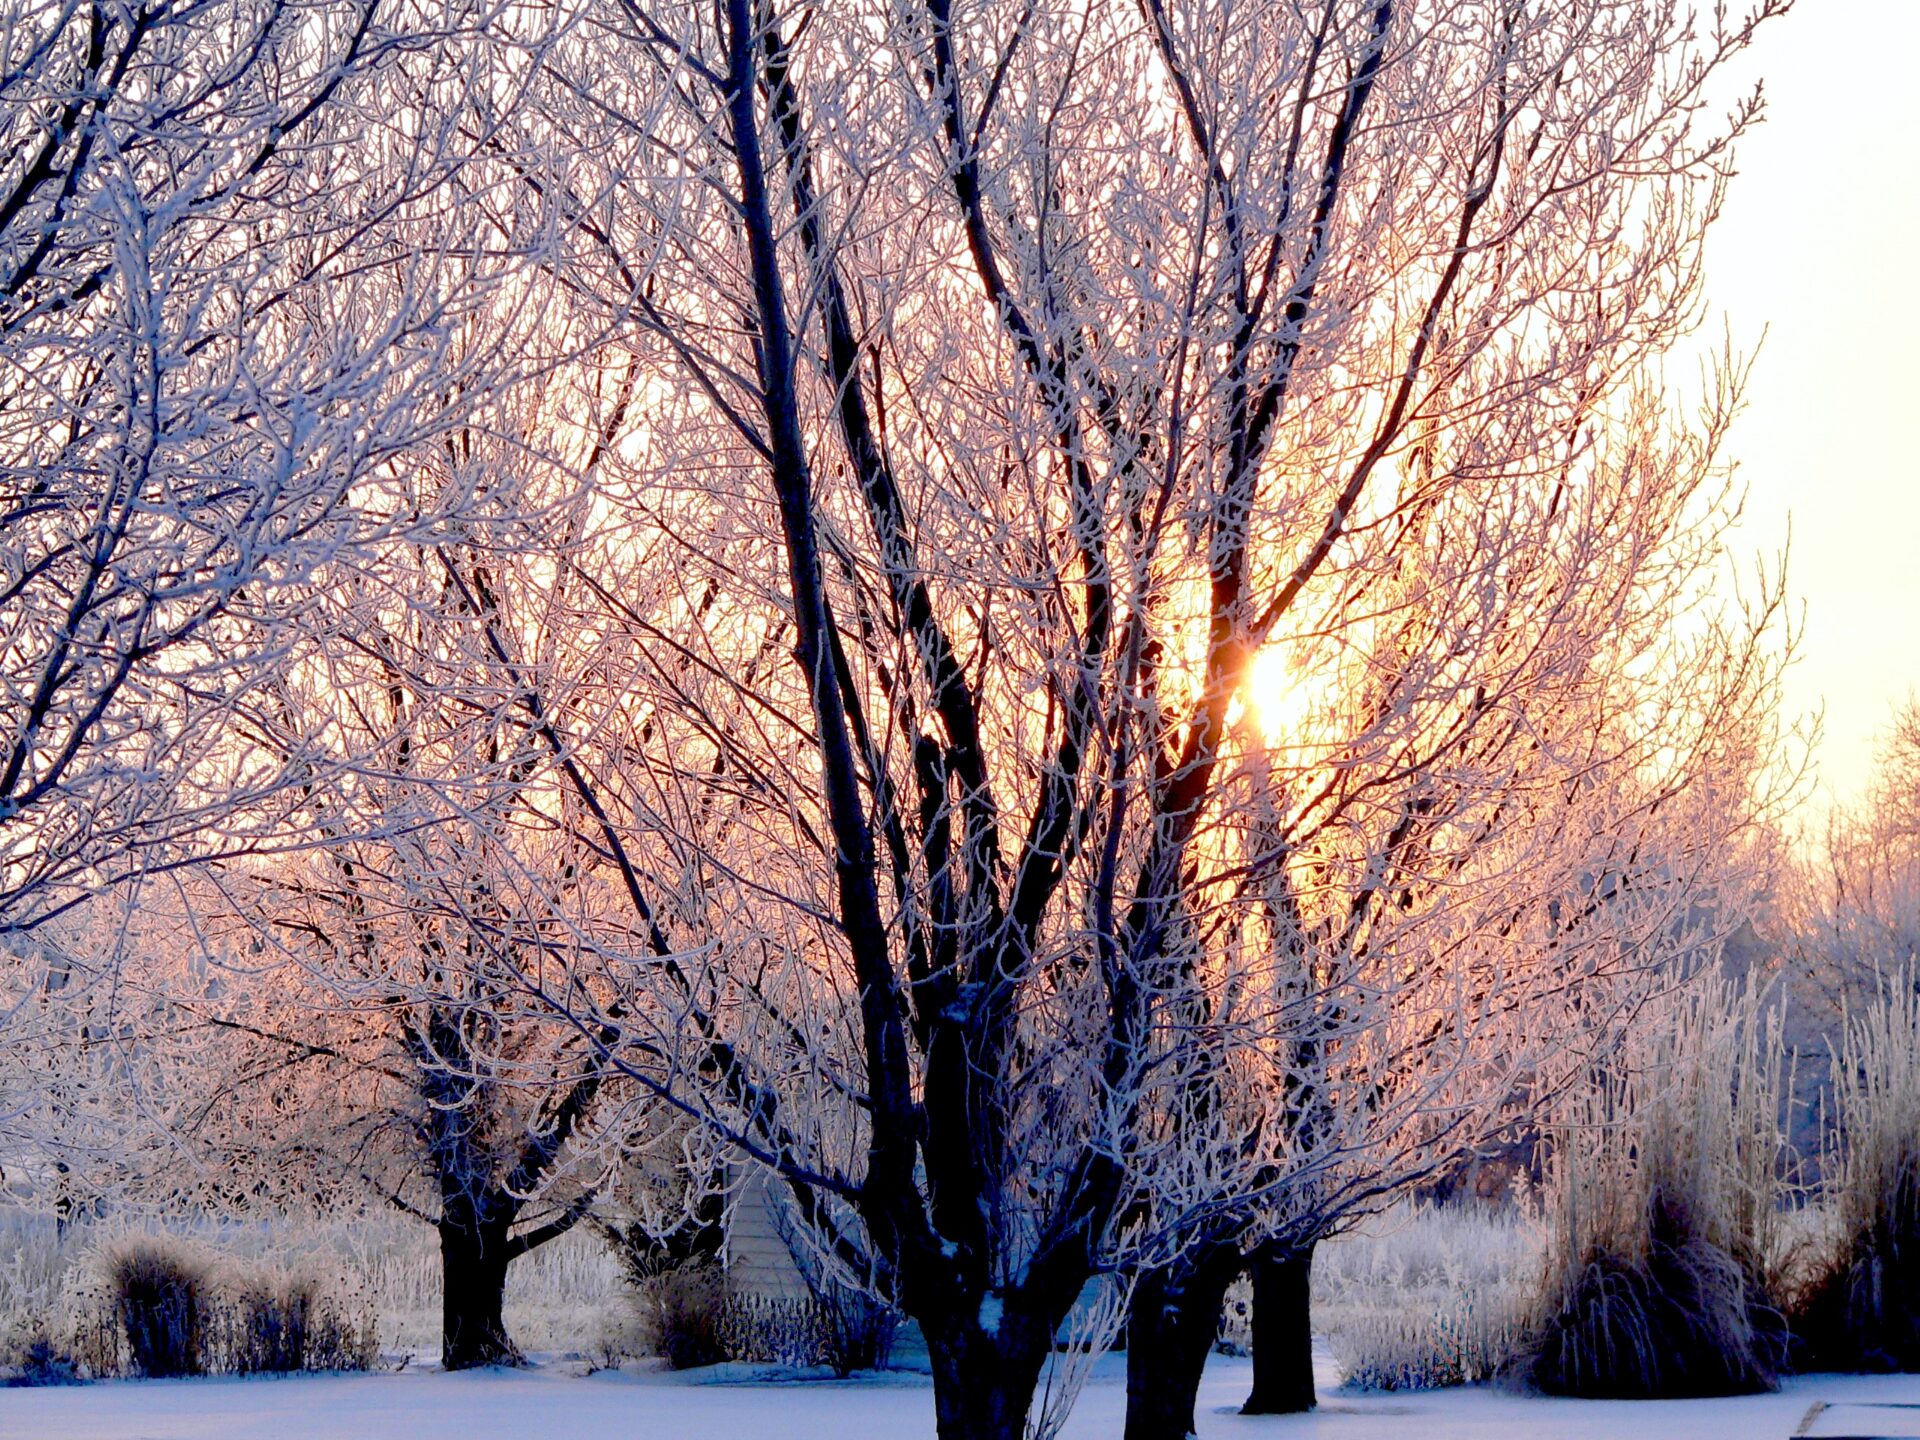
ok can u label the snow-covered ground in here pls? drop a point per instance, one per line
(725, 1405)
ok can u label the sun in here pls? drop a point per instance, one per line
(1278, 696)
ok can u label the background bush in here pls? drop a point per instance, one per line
(30, 1355)
(690, 1315)
(845, 1332)
(274, 1324)
(562, 1297)
(158, 1305)
(681, 1311)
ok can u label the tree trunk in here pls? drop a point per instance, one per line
(1282, 1332)
(473, 1279)
(984, 1374)
(1171, 1326)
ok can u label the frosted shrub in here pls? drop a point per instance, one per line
(769, 1330)
(844, 1333)
(1422, 1297)
(29, 1355)
(158, 1305)
(682, 1312)
(381, 1272)
(1859, 1308)
(273, 1324)
(690, 1315)
(853, 1331)
(616, 1337)
(1663, 1199)
(1469, 1340)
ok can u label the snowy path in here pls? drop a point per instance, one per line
(647, 1406)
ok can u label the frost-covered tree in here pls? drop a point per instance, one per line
(368, 999)
(229, 293)
(1029, 375)
(253, 296)
(371, 1049)
(1852, 903)
(1420, 949)
(1123, 659)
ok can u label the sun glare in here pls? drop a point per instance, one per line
(1278, 697)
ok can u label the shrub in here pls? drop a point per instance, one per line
(857, 1331)
(267, 1327)
(1684, 1317)
(154, 1306)
(1457, 1343)
(615, 1339)
(1664, 1184)
(844, 1330)
(682, 1310)
(1859, 1307)
(278, 1324)
(160, 1294)
(31, 1356)
(770, 1330)
(690, 1316)
(92, 1333)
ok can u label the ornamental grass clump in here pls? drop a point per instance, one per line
(158, 1306)
(282, 1323)
(1859, 1307)
(1664, 1190)
(162, 1297)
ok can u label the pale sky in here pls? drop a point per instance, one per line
(1817, 248)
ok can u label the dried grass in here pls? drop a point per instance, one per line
(1857, 1304)
(162, 1295)
(1664, 1191)
(1419, 1298)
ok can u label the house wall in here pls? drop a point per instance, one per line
(758, 1260)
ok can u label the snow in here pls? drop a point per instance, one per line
(736, 1401)
(991, 1309)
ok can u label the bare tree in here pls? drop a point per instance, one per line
(1026, 374)
(1429, 997)
(229, 299)
(1026, 442)
(872, 761)
(255, 304)
(379, 977)
(1852, 903)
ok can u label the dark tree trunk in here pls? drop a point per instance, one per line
(1171, 1326)
(984, 1376)
(1282, 1332)
(473, 1277)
